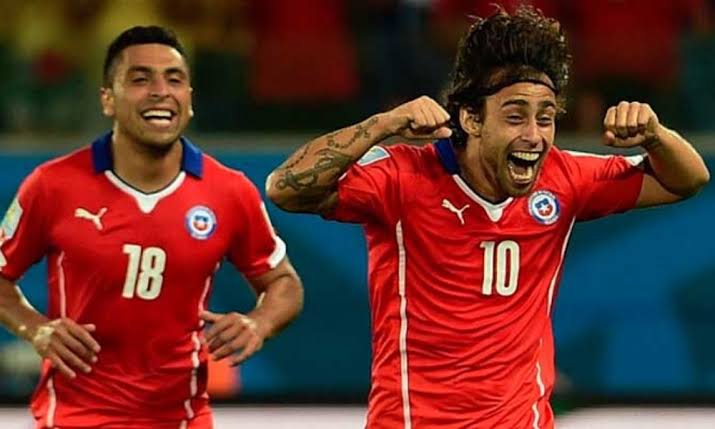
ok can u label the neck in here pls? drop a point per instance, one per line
(143, 167)
(478, 177)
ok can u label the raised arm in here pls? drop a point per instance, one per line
(307, 180)
(676, 170)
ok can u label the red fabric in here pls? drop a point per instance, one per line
(152, 366)
(468, 343)
(202, 421)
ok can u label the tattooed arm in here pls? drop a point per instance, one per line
(307, 180)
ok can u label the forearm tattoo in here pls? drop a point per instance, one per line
(328, 160)
(312, 173)
(362, 130)
(290, 163)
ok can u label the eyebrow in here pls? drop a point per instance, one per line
(175, 70)
(140, 69)
(523, 103)
(145, 69)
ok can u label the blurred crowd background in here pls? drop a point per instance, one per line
(635, 316)
(277, 65)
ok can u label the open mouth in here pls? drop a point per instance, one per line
(159, 117)
(522, 166)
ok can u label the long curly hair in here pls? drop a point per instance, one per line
(503, 49)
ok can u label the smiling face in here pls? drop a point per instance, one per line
(150, 95)
(506, 147)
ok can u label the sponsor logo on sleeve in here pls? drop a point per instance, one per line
(375, 154)
(200, 222)
(544, 207)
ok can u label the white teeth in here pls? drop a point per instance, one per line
(526, 176)
(158, 113)
(526, 156)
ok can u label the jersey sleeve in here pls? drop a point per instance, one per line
(368, 191)
(605, 184)
(256, 248)
(23, 232)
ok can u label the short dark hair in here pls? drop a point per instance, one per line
(138, 35)
(503, 49)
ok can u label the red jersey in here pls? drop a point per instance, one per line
(461, 289)
(140, 267)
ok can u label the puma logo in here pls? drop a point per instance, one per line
(96, 219)
(459, 212)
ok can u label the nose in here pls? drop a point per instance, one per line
(530, 132)
(159, 87)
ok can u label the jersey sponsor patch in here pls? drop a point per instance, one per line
(544, 207)
(10, 222)
(375, 154)
(200, 222)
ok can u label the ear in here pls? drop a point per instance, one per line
(106, 97)
(470, 121)
(191, 102)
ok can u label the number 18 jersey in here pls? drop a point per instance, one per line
(461, 289)
(140, 267)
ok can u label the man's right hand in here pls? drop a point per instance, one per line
(68, 345)
(421, 118)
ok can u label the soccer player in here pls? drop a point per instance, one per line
(467, 236)
(134, 228)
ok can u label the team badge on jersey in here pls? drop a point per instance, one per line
(200, 222)
(544, 207)
(375, 154)
(11, 220)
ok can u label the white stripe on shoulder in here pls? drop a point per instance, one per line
(634, 160)
(279, 252)
(582, 154)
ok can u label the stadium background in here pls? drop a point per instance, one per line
(634, 318)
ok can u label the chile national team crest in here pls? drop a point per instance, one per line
(201, 222)
(544, 207)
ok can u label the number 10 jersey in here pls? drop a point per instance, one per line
(461, 289)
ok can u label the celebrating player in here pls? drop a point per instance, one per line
(467, 236)
(134, 229)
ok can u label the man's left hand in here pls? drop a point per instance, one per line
(232, 332)
(630, 124)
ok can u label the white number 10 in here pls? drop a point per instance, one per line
(506, 251)
(147, 264)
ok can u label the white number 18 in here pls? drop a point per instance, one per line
(147, 264)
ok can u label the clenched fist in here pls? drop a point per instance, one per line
(630, 124)
(421, 118)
